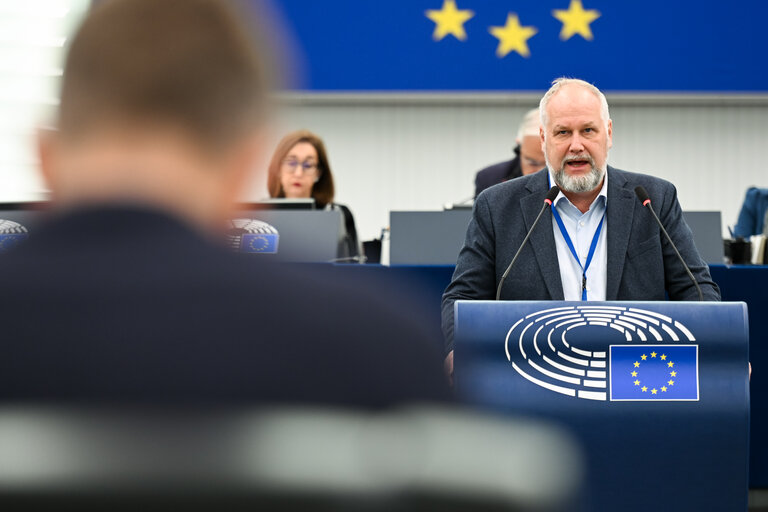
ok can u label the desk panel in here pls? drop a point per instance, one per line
(749, 283)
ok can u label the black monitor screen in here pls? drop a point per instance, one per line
(279, 203)
(18, 221)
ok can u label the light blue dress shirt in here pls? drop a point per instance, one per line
(581, 227)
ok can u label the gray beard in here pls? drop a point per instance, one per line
(577, 184)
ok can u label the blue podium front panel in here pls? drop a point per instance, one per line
(656, 392)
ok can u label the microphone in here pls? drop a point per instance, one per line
(642, 195)
(551, 195)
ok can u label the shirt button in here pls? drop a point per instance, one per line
(581, 223)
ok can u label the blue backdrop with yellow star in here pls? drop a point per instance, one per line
(502, 45)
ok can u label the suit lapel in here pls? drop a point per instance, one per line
(543, 237)
(621, 209)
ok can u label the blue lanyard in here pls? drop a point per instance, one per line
(591, 253)
(592, 246)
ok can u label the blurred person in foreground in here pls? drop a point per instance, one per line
(125, 296)
(596, 217)
(300, 169)
(529, 156)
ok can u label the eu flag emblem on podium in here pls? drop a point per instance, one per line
(10, 240)
(264, 243)
(654, 372)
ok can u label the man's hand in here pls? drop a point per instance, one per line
(448, 367)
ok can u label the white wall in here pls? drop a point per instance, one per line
(401, 152)
(417, 152)
(32, 42)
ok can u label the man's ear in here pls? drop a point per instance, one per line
(610, 133)
(246, 164)
(46, 149)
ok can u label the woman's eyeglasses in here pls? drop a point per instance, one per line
(290, 167)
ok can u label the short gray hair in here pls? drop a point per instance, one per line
(559, 83)
(529, 125)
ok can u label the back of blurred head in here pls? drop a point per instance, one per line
(162, 103)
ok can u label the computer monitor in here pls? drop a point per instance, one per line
(435, 238)
(288, 235)
(279, 203)
(25, 213)
(427, 238)
(707, 231)
(18, 220)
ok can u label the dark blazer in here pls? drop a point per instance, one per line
(641, 263)
(349, 246)
(753, 213)
(497, 173)
(130, 305)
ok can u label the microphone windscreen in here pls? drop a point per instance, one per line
(642, 194)
(552, 194)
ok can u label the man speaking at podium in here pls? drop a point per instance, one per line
(598, 243)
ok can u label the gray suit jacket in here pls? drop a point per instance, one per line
(641, 263)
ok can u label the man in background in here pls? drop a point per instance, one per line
(126, 295)
(753, 214)
(529, 156)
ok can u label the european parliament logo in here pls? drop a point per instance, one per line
(645, 355)
(11, 233)
(253, 236)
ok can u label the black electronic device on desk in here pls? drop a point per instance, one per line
(707, 230)
(18, 220)
(279, 203)
(287, 234)
(427, 238)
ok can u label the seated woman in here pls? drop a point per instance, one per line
(753, 213)
(300, 169)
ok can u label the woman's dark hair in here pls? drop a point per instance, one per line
(322, 191)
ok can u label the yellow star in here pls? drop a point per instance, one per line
(663, 357)
(670, 364)
(673, 374)
(671, 382)
(449, 20)
(576, 20)
(637, 383)
(512, 37)
(644, 389)
(664, 388)
(654, 391)
(637, 364)
(634, 374)
(643, 357)
(653, 354)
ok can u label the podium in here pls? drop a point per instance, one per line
(657, 393)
